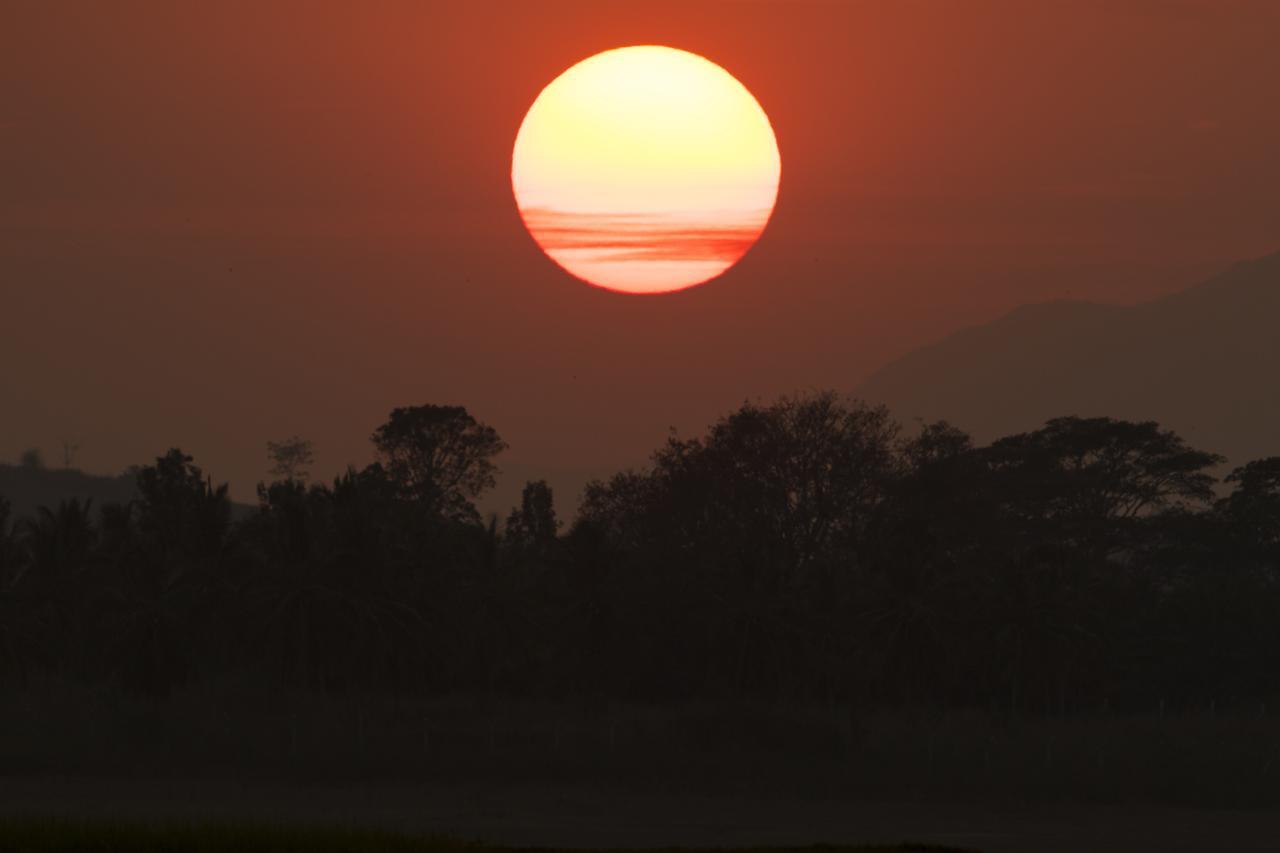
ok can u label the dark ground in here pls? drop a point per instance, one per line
(549, 815)
(649, 777)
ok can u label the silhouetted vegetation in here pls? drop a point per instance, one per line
(806, 553)
(30, 485)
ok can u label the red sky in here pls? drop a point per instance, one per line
(222, 223)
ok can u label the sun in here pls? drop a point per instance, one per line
(645, 169)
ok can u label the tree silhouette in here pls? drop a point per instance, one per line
(9, 553)
(1093, 480)
(19, 621)
(533, 525)
(802, 550)
(58, 542)
(1253, 508)
(183, 522)
(323, 609)
(439, 457)
(291, 458)
(178, 508)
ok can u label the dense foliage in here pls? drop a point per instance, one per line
(803, 551)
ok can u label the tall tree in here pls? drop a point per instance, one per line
(179, 508)
(291, 459)
(532, 526)
(9, 554)
(1254, 505)
(439, 457)
(20, 621)
(59, 541)
(1090, 482)
(791, 483)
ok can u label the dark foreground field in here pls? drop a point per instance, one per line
(524, 774)
(592, 818)
(44, 835)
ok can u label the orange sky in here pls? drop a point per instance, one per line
(233, 222)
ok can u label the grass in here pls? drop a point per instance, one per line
(48, 835)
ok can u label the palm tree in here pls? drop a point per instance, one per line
(58, 545)
(19, 647)
(58, 542)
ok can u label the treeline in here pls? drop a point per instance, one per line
(804, 551)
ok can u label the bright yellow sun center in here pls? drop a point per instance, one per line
(645, 169)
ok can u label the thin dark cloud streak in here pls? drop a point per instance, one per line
(626, 237)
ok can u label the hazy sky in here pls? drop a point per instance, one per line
(222, 223)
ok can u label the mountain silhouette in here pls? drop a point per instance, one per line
(1204, 362)
(27, 488)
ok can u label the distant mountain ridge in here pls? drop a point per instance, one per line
(1204, 362)
(27, 488)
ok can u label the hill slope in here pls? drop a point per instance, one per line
(1205, 362)
(29, 488)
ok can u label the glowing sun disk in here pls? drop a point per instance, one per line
(645, 169)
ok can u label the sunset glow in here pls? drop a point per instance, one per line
(645, 170)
